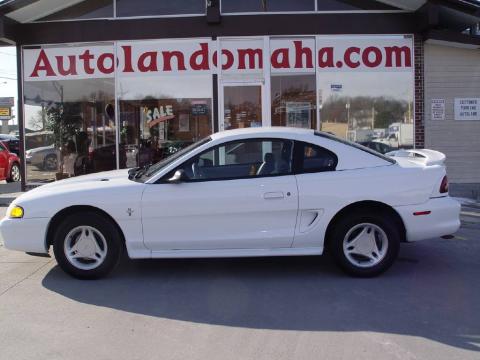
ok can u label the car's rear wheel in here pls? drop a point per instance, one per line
(365, 245)
(50, 162)
(87, 245)
(14, 175)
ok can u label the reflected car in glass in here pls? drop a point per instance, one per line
(239, 193)
(9, 164)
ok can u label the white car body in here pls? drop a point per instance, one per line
(275, 215)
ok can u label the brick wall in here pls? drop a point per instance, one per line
(419, 93)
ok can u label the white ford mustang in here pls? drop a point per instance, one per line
(247, 192)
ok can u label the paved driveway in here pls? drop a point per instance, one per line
(426, 307)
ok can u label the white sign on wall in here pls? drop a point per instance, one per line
(467, 108)
(237, 56)
(438, 109)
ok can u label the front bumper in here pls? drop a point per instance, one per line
(26, 235)
(443, 219)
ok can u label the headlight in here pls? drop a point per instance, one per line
(16, 212)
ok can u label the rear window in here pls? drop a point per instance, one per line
(355, 145)
(313, 158)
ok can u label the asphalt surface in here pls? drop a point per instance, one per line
(426, 307)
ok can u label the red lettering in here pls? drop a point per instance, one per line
(303, 51)
(151, 56)
(326, 58)
(167, 60)
(398, 52)
(228, 64)
(276, 63)
(366, 56)
(72, 66)
(101, 63)
(127, 55)
(203, 54)
(348, 57)
(86, 57)
(42, 64)
(251, 54)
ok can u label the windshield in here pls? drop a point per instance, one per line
(168, 160)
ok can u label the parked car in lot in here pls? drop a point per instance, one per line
(9, 165)
(11, 142)
(44, 157)
(245, 192)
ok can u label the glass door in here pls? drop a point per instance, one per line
(241, 105)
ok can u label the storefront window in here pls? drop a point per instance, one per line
(372, 101)
(293, 101)
(89, 9)
(234, 6)
(127, 8)
(69, 128)
(243, 106)
(161, 115)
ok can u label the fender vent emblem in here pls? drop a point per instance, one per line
(129, 211)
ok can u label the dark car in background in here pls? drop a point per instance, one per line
(377, 146)
(11, 142)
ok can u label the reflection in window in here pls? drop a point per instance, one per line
(160, 7)
(89, 9)
(293, 101)
(235, 6)
(242, 106)
(160, 116)
(367, 108)
(242, 159)
(68, 129)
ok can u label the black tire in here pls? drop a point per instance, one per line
(103, 225)
(50, 162)
(14, 175)
(350, 221)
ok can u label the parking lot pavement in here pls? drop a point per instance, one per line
(426, 307)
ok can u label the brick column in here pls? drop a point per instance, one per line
(419, 93)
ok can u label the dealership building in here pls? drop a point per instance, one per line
(106, 84)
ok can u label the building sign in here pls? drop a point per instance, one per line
(199, 109)
(336, 87)
(467, 108)
(7, 101)
(5, 113)
(237, 56)
(438, 109)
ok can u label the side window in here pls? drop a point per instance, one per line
(313, 158)
(241, 159)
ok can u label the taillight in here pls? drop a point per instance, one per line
(444, 185)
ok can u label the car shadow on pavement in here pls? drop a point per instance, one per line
(424, 295)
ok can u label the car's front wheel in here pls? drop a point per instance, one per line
(365, 245)
(14, 173)
(87, 245)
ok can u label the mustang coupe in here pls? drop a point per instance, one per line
(246, 192)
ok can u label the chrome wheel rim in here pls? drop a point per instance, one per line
(51, 163)
(85, 247)
(15, 173)
(365, 245)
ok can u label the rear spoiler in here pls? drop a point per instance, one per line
(423, 156)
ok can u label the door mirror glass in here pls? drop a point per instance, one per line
(178, 177)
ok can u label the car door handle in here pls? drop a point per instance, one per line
(273, 195)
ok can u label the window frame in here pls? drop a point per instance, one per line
(168, 175)
(298, 161)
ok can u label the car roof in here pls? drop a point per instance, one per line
(263, 131)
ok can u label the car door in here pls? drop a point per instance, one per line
(237, 195)
(3, 162)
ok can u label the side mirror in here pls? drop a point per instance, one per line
(178, 177)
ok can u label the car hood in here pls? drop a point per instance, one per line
(85, 183)
(41, 148)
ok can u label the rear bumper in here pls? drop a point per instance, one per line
(443, 219)
(26, 235)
